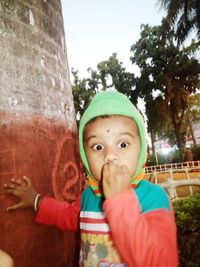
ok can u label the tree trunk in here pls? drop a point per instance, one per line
(192, 133)
(177, 122)
(152, 136)
(37, 130)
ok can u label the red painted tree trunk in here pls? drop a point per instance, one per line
(37, 128)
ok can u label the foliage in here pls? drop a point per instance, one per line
(169, 74)
(196, 152)
(180, 154)
(176, 156)
(194, 106)
(151, 161)
(120, 80)
(81, 94)
(173, 157)
(184, 15)
(162, 159)
(110, 74)
(187, 214)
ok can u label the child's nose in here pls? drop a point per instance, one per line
(110, 156)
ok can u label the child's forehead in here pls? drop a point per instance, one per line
(110, 117)
(110, 121)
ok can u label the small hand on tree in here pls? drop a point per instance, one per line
(24, 190)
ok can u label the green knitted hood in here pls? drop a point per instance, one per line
(113, 103)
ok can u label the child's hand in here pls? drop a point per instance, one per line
(116, 179)
(24, 190)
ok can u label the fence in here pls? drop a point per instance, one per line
(174, 166)
(176, 177)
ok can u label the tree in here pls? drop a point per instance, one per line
(110, 74)
(193, 113)
(82, 93)
(114, 75)
(37, 127)
(169, 74)
(184, 15)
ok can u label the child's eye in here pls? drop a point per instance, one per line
(123, 144)
(97, 147)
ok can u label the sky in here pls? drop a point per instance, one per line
(95, 29)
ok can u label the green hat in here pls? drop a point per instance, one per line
(113, 103)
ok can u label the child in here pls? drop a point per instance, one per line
(123, 219)
(5, 259)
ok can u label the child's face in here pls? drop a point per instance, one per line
(115, 139)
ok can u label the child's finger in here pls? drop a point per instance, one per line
(14, 207)
(112, 167)
(12, 191)
(106, 183)
(27, 180)
(104, 169)
(8, 186)
(11, 186)
(18, 182)
(105, 173)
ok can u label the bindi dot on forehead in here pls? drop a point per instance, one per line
(108, 131)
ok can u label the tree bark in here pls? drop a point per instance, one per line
(177, 122)
(37, 128)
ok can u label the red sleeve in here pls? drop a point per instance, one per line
(58, 213)
(143, 239)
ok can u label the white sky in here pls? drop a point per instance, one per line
(94, 29)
